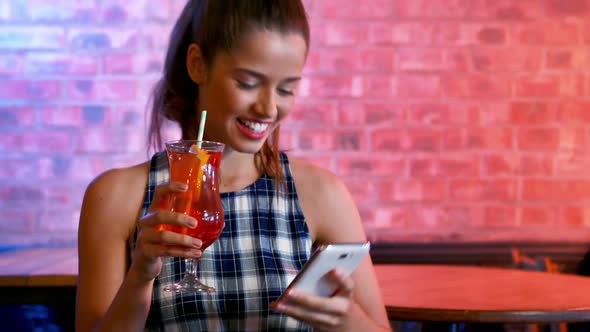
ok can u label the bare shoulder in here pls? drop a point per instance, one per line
(117, 180)
(115, 197)
(309, 174)
(329, 209)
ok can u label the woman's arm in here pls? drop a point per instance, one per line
(332, 217)
(111, 204)
(110, 297)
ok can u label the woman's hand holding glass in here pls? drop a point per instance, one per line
(322, 313)
(152, 244)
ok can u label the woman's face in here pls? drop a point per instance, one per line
(248, 91)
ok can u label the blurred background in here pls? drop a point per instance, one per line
(449, 120)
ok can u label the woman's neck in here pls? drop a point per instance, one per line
(238, 170)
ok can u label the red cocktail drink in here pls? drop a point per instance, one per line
(201, 200)
(195, 163)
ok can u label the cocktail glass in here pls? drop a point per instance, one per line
(195, 163)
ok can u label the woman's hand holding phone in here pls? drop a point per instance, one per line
(323, 313)
(321, 294)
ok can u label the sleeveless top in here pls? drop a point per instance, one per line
(264, 244)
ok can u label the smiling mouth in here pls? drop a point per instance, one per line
(255, 127)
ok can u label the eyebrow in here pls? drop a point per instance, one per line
(261, 76)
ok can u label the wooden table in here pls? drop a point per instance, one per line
(39, 276)
(411, 292)
(444, 293)
(39, 267)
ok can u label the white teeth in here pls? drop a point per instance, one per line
(256, 127)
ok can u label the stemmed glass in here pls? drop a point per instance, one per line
(196, 163)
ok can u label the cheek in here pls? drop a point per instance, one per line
(234, 100)
(284, 109)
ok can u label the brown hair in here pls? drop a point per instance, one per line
(215, 26)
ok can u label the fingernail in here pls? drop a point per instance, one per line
(293, 293)
(277, 306)
(191, 222)
(197, 243)
(181, 186)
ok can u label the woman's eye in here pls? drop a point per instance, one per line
(285, 92)
(245, 85)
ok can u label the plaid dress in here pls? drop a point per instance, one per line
(264, 244)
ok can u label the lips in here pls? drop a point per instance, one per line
(253, 129)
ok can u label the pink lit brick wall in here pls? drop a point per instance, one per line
(448, 119)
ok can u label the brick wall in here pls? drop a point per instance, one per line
(448, 119)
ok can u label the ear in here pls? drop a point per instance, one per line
(195, 64)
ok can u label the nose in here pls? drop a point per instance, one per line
(266, 105)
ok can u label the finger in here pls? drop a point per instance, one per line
(162, 195)
(159, 250)
(336, 305)
(345, 283)
(315, 318)
(169, 238)
(168, 217)
(172, 238)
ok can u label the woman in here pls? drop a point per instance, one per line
(241, 61)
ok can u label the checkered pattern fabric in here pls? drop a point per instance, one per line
(264, 243)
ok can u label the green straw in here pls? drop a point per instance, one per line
(201, 128)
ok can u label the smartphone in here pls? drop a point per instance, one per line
(313, 278)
